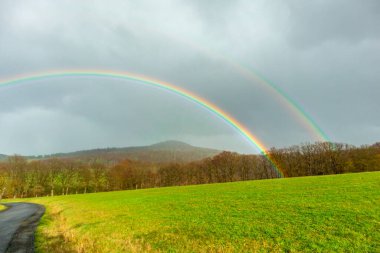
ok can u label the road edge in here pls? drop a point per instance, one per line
(23, 239)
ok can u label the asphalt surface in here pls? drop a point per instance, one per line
(17, 226)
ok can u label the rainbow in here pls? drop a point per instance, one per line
(254, 76)
(300, 114)
(235, 124)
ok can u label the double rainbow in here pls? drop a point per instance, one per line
(157, 83)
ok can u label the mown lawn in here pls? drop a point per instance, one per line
(339, 213)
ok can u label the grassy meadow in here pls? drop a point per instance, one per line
(2, 208)
(339, 213)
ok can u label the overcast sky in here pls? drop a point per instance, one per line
(323, 54)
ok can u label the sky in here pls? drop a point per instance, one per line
(323, 54)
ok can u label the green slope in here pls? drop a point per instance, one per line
(339, 213)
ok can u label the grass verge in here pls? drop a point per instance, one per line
(2, 207)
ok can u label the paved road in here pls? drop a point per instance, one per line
(17, 226)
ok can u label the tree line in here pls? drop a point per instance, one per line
(324, 158)
(22, 178)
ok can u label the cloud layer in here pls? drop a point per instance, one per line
(324, 54)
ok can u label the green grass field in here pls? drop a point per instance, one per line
(2, 208)
(339, 213)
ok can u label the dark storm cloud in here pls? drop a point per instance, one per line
(324, 54)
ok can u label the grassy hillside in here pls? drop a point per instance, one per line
(339, 213)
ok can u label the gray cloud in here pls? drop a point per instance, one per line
(327, 21)
(324, 54)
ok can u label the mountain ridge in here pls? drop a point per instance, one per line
(161, 152)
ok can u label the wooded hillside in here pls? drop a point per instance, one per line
(58, 176)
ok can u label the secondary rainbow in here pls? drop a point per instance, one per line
(254, 76)
(152, 82)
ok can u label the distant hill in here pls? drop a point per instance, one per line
(163, 152)
(3, 157)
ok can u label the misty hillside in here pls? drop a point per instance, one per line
(3, 157)
(163, 152)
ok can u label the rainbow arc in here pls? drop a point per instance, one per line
(226, 117)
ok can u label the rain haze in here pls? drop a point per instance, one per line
(325, 55)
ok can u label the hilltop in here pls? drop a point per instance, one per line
(162, 152)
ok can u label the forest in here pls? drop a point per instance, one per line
(20, 178)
